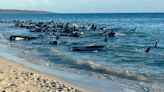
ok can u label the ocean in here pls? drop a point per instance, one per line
(122, 63)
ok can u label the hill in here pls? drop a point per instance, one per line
(10, 11)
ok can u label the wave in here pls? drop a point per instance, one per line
(1, 36)
(120, 34)
(92, 66)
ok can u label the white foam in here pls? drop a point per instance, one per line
(129, 90)
(1, 36)
(119, 34)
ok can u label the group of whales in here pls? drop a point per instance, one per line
(65, 29)
(58, 30)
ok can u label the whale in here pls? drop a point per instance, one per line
(54, 43)
(17, 38)
(109, 34)
(88, 48)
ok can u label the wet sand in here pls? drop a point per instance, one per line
(17, 78)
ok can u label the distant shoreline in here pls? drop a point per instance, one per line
(12, 11)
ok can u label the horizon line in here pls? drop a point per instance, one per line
(80, 12)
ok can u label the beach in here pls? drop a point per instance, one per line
(17, 78)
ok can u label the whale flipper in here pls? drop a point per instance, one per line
(148, 49)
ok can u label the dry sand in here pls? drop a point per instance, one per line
(17, 78)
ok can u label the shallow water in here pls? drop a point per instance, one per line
(123, 56)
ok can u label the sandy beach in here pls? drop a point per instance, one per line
(17, 78)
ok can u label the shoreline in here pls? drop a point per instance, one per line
(15, 11)
(16, 77)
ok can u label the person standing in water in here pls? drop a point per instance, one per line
(155, 44)
(106, 38)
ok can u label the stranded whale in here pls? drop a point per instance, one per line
(17, 37)
(88, 48)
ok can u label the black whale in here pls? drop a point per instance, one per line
(17, 37)
(88, 48)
